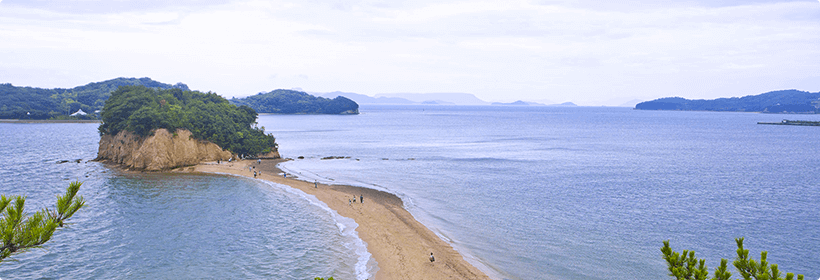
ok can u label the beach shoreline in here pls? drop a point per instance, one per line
(396, 240)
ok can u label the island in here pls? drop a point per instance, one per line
(159, 129)
(31, 103)
(283, 101)
(783, 101)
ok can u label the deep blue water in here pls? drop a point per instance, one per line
(163, 226)
(579, 193)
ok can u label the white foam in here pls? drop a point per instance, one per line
(309, 176)
(366, 266)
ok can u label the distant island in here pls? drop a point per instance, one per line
(157, 129)
(783, 101)
(283, 101)
(39, 103)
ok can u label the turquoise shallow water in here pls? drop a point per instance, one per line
(579, 193)
(164, 226)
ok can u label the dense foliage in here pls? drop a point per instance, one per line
(20, 232)
(208, 116)
(784, 101)
(283, 101)
(38, 103)
(686, 266)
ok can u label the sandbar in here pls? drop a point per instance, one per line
(400, 244)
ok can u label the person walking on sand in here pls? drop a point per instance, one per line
(316, 184)
(432, 259)
(259, 161)
(254, 174)
(348, 202)
(361, 198)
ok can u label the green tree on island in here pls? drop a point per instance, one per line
(208, 116)
(20, 232)
(686, 266)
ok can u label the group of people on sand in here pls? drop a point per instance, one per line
(351, 201)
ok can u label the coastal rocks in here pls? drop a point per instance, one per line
(271, 155)
(160, 151)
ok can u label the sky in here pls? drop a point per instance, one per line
(587, 52)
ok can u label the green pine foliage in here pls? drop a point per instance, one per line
(20, 232)
(283, 101)
(208, 116)
(687, 266)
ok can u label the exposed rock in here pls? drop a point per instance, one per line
(161, 151)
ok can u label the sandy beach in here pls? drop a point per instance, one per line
(400, 244)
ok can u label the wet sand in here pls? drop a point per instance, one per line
(400, 244)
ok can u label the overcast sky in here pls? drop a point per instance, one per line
(587, 52)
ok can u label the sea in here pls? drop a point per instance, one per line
(522, 192)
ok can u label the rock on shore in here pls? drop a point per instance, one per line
(161, 151)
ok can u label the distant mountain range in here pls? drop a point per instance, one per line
(410, 98)
(428, 99)
(526, 103)
(782, 101)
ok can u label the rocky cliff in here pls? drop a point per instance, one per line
(161, 151)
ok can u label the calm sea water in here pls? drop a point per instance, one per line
(166, 226)
(579, 193)
(522, 192)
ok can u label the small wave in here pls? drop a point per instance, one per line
(366, 265)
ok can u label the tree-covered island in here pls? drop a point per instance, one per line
(783, 101)
(207, 116)
(39, 103)
(283, 101)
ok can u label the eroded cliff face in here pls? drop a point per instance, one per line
(162, 151)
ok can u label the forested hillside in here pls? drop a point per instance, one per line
(783, 101)
(283, 101)
(39, 103)
(208, 116)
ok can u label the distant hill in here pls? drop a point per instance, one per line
(454, 98)
(516, 103)
(39, 103)
(283, 101)
(630, 103)
(782, 101)
(364, 99)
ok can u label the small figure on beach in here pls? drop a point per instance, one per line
(259, 161)
(217, 162)
(432, 259)
(348, 202)
(249, 169)
(361, 198)
(285, 174)
(316, 184)
(254, 174)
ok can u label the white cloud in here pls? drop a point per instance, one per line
(571, 50)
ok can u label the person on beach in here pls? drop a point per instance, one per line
(316, 184)
(259, 161)
(249, 169)
(432, 259)
(348, 202)
(254, 174)
(361, 198)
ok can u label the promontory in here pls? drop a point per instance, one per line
(159, 129)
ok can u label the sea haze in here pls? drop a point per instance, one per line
(163, 226)
(579, 193)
